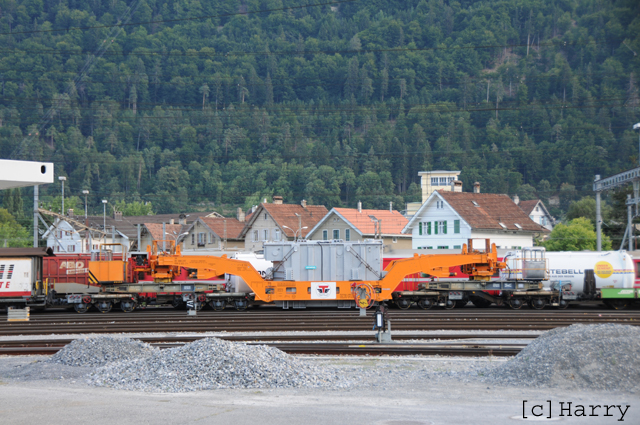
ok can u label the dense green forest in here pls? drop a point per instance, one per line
(194, 104)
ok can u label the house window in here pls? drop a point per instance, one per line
(276, 235)
(347, 235)
(440, 227)
(265, 235)
(211, 238)
(325, 235)
(434, 181)
(201, 239)
(336, 234)
(424, 228)
(255, 236)
(443, 181)
(394, 240)
(265, 216)
(456, 226)
(71, 248)
(451, 179)
(457, 247)
(193, 239)
(443, 247)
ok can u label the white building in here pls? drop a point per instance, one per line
(537, 212)
(63, 238)
(430, 181)
(449, 219)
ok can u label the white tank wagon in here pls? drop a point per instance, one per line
(607, 276)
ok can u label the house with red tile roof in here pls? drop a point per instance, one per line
(214, 233)
(447, 220)
(357, 224)
(278, 221)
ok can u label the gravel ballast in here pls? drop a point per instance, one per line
(595, 357)
(213, 363)
(99, 351)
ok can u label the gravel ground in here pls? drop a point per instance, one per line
(99, 351)
(596, 357)
(599, 357)
(214, 363)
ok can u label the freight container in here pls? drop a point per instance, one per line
(17, 277)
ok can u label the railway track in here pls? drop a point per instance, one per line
(49, 347)
(259, 320)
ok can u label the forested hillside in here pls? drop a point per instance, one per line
(221, 103)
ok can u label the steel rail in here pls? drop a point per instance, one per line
(358, 349)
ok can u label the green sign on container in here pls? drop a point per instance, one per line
(618, 293)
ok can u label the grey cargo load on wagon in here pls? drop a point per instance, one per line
(325, 260)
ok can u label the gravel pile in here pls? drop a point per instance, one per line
(597, 357)
(212, 363)
(99, 351)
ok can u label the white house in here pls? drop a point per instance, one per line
(357, 224)
(63, 238)
(537, 212)
(449, 219)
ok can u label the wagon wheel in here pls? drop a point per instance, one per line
(240, 305)
(217, 305)
(177, 303)
(515, 303)
(104, 306)
(127, 306)
(450, 304)
(563, 304)
(403, 303)
(538, 303)
(617, 304)
(426, 303)
(81, 308)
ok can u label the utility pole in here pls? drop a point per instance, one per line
(36, 191)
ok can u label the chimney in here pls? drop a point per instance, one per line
(182, 219)
(456, 186)
(476, 187)
(240, 215)
(277, 200)
(390, 206)
(516, 199)
(117, 215)
(70, 212)
(304, 203)
(264, 201)
(359, 206)
(171, 221)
